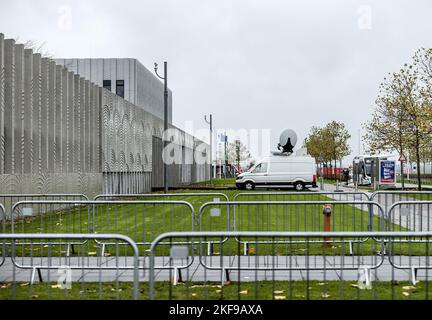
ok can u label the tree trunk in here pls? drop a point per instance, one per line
(402, 175)
(402, 169)
(417, 148)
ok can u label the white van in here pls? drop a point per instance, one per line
(280, 171)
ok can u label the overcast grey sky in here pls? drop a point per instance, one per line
(253, 64)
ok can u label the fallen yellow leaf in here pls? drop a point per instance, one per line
(409, 288)
(325, 295)
(244, 292)
(280, 297)
(278, 291)
(406, 294)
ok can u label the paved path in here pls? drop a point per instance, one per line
(346, 268)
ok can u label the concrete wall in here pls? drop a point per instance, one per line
(132, 143)
(2, 75)
(61, 133)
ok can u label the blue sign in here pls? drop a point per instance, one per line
(387, 172)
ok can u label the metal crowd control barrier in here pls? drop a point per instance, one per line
(194, 198)
(304, 216)
(212, 195)
(411, 252)
(388, 197)
(51, 216)
(3, 228)
(325, 258)
(51, 260)
(147, 218)
(302, 196)
(140, 220)
(410, 216)
(10, 199)
(309, 267)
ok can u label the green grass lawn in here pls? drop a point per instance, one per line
(144, 222)
(228, 182)
(263, 290)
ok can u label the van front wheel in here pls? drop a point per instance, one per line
(249, 185)
(299, 186)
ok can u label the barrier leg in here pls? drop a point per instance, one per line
(70, 248)
(414, 275)
(103, 250)
(367, 272)
(175, 277)
(365, 278)
(33, 275)
(351, 248)
(39, 274)
(209, 248)
(225, 276)
(384, 251)
(246, 248)
(180, 277)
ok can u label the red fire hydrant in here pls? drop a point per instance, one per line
(327, 211)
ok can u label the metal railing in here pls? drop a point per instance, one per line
(9, 200)
(410, 216)
(140, 220)
(49, 259)
(196, 199)
(388, 197)
(301, 196)
(163, 195)
(290, 216)
(291, 269)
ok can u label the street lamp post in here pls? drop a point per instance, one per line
(226, 155)
(210, 123)
(165, 142)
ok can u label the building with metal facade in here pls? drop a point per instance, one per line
(127, 78)
(61, 133)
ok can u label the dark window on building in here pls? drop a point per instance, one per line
(107, 84)
(120, 88)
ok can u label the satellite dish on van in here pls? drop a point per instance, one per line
(287, 141)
